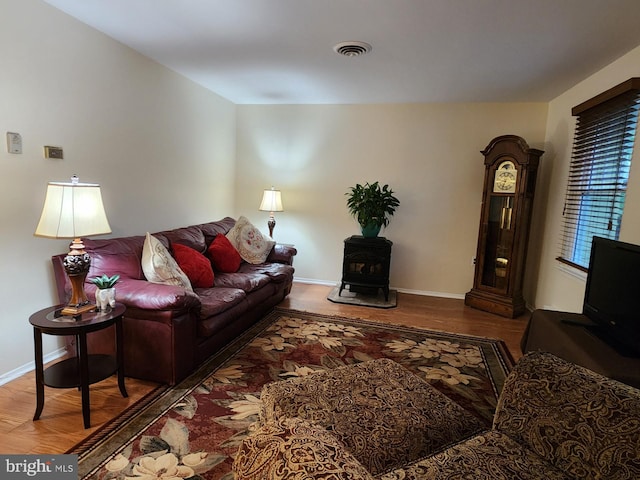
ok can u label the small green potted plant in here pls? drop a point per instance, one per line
(371, 205)
(106, 293)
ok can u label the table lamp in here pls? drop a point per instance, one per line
(271, 202)
(74, 210)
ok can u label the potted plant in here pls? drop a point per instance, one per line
(371, 205)
(106, 293)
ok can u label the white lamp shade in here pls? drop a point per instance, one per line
(72, 210)
(271, 201)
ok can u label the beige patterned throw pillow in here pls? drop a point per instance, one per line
(251, 244)
(159, 266)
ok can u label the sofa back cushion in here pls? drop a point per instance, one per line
(583, 423)
(113, 256)
(191, 237)
(211, 229)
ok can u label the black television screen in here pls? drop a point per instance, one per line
(612, 295)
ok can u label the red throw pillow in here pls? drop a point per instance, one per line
(224, 256)
(194, 264)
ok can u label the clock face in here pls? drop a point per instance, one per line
(505, 178)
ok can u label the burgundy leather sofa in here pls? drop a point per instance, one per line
(167, 331)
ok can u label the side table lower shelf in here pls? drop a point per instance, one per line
(66, 373)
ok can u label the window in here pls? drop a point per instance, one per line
(599, 170)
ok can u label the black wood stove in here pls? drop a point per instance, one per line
(365, 265)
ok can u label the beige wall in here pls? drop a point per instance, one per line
(558, 287)
(168, 153)
(429, 154)
(161, 147)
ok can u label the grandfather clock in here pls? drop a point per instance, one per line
(509, 184)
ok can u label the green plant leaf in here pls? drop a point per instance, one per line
(371, 203)
(105, 281)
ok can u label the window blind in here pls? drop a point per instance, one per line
(599, 170)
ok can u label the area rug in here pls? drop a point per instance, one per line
(354, 298)
(199, 424)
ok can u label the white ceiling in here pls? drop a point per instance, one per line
(281, 51)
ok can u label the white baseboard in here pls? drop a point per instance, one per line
(458, 296)
(28, 367)
(312, 281)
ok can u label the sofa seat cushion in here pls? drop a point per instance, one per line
(218, 299)
(487, 456)
(247, 282)
(264, 296)
(384, 414)
(293, 448)
(218, 324)
(277, 272)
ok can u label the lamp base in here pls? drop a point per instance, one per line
(77, 264)
(271, 224)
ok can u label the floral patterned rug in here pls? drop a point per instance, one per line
(194, 429)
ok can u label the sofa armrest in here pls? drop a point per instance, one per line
(151, 296)
(582, 422)
(281, 253)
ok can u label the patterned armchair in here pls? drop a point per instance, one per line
(554, 420)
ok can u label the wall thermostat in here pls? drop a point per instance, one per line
(14, 142)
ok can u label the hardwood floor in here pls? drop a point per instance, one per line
(60, 425)
(444, 314)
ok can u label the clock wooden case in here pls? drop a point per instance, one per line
(509, 184)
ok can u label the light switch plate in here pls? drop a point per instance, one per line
(53, 152)
(14, 142)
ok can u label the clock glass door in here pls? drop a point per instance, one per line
(499, 242)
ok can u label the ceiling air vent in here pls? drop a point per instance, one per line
(352, 49)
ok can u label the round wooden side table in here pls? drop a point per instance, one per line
(83, 369)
